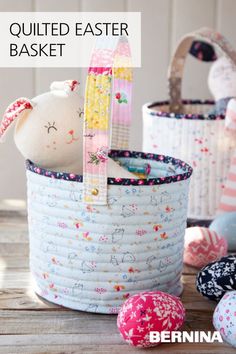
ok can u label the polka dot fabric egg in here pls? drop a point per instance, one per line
(214, 280)
(149, 311)
(224, 318)
(203, 246)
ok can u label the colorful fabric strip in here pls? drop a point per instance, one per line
(107, 102)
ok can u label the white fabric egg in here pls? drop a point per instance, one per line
(224, 318)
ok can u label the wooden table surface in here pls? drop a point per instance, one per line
(30, 325)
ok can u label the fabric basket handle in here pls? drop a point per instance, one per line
(176, 68)
(107, 113)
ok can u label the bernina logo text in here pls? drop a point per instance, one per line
(184, 336)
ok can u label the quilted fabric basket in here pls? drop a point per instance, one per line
(185, 130)
(91, 254)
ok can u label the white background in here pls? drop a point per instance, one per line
(163, 22)
(69, 50)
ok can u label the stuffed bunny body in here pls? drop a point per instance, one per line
(49, 130)
(222, 83)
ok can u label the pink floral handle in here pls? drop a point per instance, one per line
(107, 102)
(176, 67)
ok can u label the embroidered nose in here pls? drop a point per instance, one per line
(71, 132)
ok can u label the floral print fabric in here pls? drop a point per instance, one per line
(149, 311)
(98, 101)
(176, 170)
(214, 280)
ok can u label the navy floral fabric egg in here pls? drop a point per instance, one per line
(215, 279)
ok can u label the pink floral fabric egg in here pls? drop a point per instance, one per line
(146, 312)
(203, 246)
(224, 318)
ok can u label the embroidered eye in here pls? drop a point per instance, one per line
(50, 126)
(80, 112)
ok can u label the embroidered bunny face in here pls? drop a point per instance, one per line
(49, 128)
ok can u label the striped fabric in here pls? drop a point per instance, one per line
(230, 118)
(228, 198)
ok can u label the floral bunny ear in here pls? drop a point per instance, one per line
(14, 111)
(68, 85)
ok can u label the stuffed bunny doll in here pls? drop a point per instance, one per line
(49, 130)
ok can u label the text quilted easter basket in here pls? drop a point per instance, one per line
(95, 241)
(185, 130)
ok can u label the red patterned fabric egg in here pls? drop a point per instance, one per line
(203, 246)
(146, 312)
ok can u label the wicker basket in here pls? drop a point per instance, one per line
(185, 130)
(92, 255)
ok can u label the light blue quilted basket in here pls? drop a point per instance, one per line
(93, 257)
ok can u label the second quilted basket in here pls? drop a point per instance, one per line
(185, 129)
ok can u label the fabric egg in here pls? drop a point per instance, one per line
(146, 312)
(225, 225)
(224, 318)
(203, 246)
(215, 279)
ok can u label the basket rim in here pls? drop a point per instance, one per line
(148, 109)
(186, 168)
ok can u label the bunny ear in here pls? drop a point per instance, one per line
(12, 112)
(68, 85)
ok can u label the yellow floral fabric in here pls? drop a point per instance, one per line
(98, 95)
(123, 74)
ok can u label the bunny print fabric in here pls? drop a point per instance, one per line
(92, 258)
